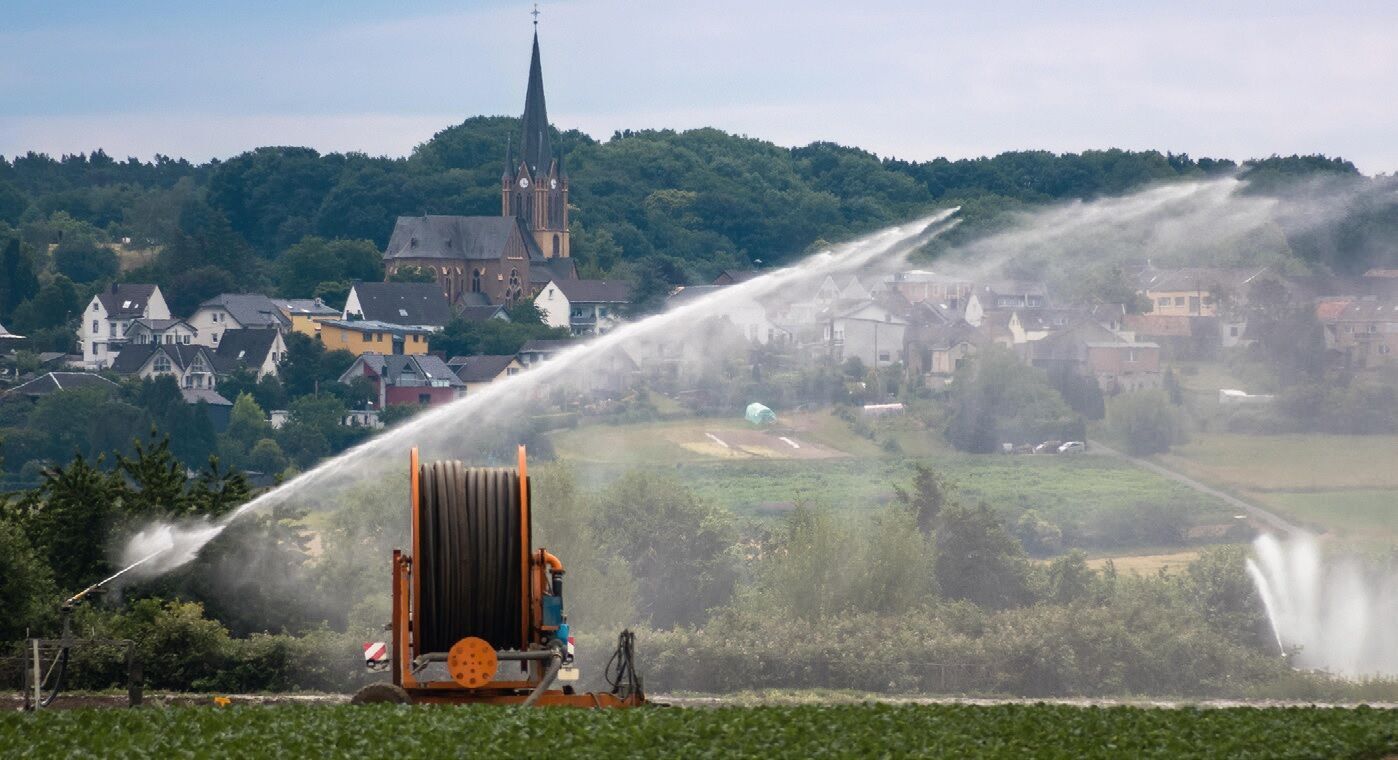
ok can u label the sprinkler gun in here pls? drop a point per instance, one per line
(73, 600)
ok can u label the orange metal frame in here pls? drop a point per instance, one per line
(407, 599)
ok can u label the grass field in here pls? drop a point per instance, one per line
(760, 479)
(1347, 485)
(808, 731)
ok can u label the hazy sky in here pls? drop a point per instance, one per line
(910, 79)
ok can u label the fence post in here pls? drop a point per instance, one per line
(38, 677)
(134, 676)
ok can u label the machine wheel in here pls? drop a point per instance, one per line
(381, 693)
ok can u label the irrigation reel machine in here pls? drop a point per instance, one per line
(477, 610)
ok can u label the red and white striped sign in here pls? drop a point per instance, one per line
(375, 652)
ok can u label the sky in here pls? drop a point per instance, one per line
(915, 80)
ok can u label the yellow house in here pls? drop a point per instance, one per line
(1196, 292)
(363, 336)
(306, 314)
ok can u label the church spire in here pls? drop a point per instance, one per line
(535, 141)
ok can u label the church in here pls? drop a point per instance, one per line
(499, 259)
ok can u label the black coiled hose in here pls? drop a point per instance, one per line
(621, 672)
(470, 561)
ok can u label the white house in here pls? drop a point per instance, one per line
(257, 350)
(145, 330)
(235, 311)
(587, 307)
(869, 331)
(192, 366)
(102, 331)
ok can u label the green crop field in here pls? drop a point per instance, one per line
(1345, 484)
(1088, 496)
(808, 731)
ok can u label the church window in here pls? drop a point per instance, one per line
(555, 245)
(475, 281)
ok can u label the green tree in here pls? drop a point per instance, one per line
(996, 399)
(68, 518)
(676, 545)
(218, 490)
(1145, 421)
(247, 423)
(266, 457)
(18, 282)
(315, 260)
(55, 305)
(977, 560)
(27, 593)
(926, 499)
(84, 260)
(155, 480)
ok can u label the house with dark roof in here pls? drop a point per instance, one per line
(479, 371)
(423, 380)
(1364, 334)
(1091, 350)
(937, 350)
(235, 311)
(193, 366)
(411, 304)
(539, 351)
(105, 320)
(54, 382)
(586, 307)
(499, 255)
(258, 350)
(146, 330)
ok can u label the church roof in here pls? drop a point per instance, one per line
(473, 238)
(549, 270)
(534, 145)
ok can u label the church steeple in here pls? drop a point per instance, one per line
(534, 143)
(534, 187)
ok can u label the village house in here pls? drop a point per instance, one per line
(306, 314)
(936, 351)
(871, 332)
(1091, 350)
(585, 307)
(920, 286)
(102, 330)
(145, 330)
(422, 380)
(410, 304)
(192, 366)
(256, 350)
(1364, 334)
(361, 337)
(235, 311)
(479, 371)
(745, 314)
(538, 351)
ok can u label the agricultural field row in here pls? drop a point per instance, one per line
(867, 730)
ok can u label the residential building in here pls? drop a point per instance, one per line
(102, 331)
(919, 286)
(1091, 350)
(870, 331)
(479, 371)
(1197, 291)
(192, 366)
(1365, 333)
(423, 379)
(512, 256)
(145, 330)
(936, 351)
(257, 350)
(235, 311)
(586, 307)
(52, 382)
(411, 304)
(363, 336)
(536, 352)
(306, 314)
(745, 314)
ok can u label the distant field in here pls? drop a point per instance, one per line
(1082, 494)
(1344, 484)
(1146, 564)
(946, 730)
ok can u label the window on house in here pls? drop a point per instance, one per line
(883, 356)
(1373, 328)
(1179, 300)
(1164, 302)
(402, 312)
(94, 306)
(1233, 331)
(378, 337)
(96, 327)
(186, 340)
(1130, 354)
(1384, 349)
(162, 363)
(215, 337)
(424, 398)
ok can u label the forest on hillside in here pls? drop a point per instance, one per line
(656, 208)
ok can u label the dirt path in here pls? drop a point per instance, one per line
(1272, 519)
